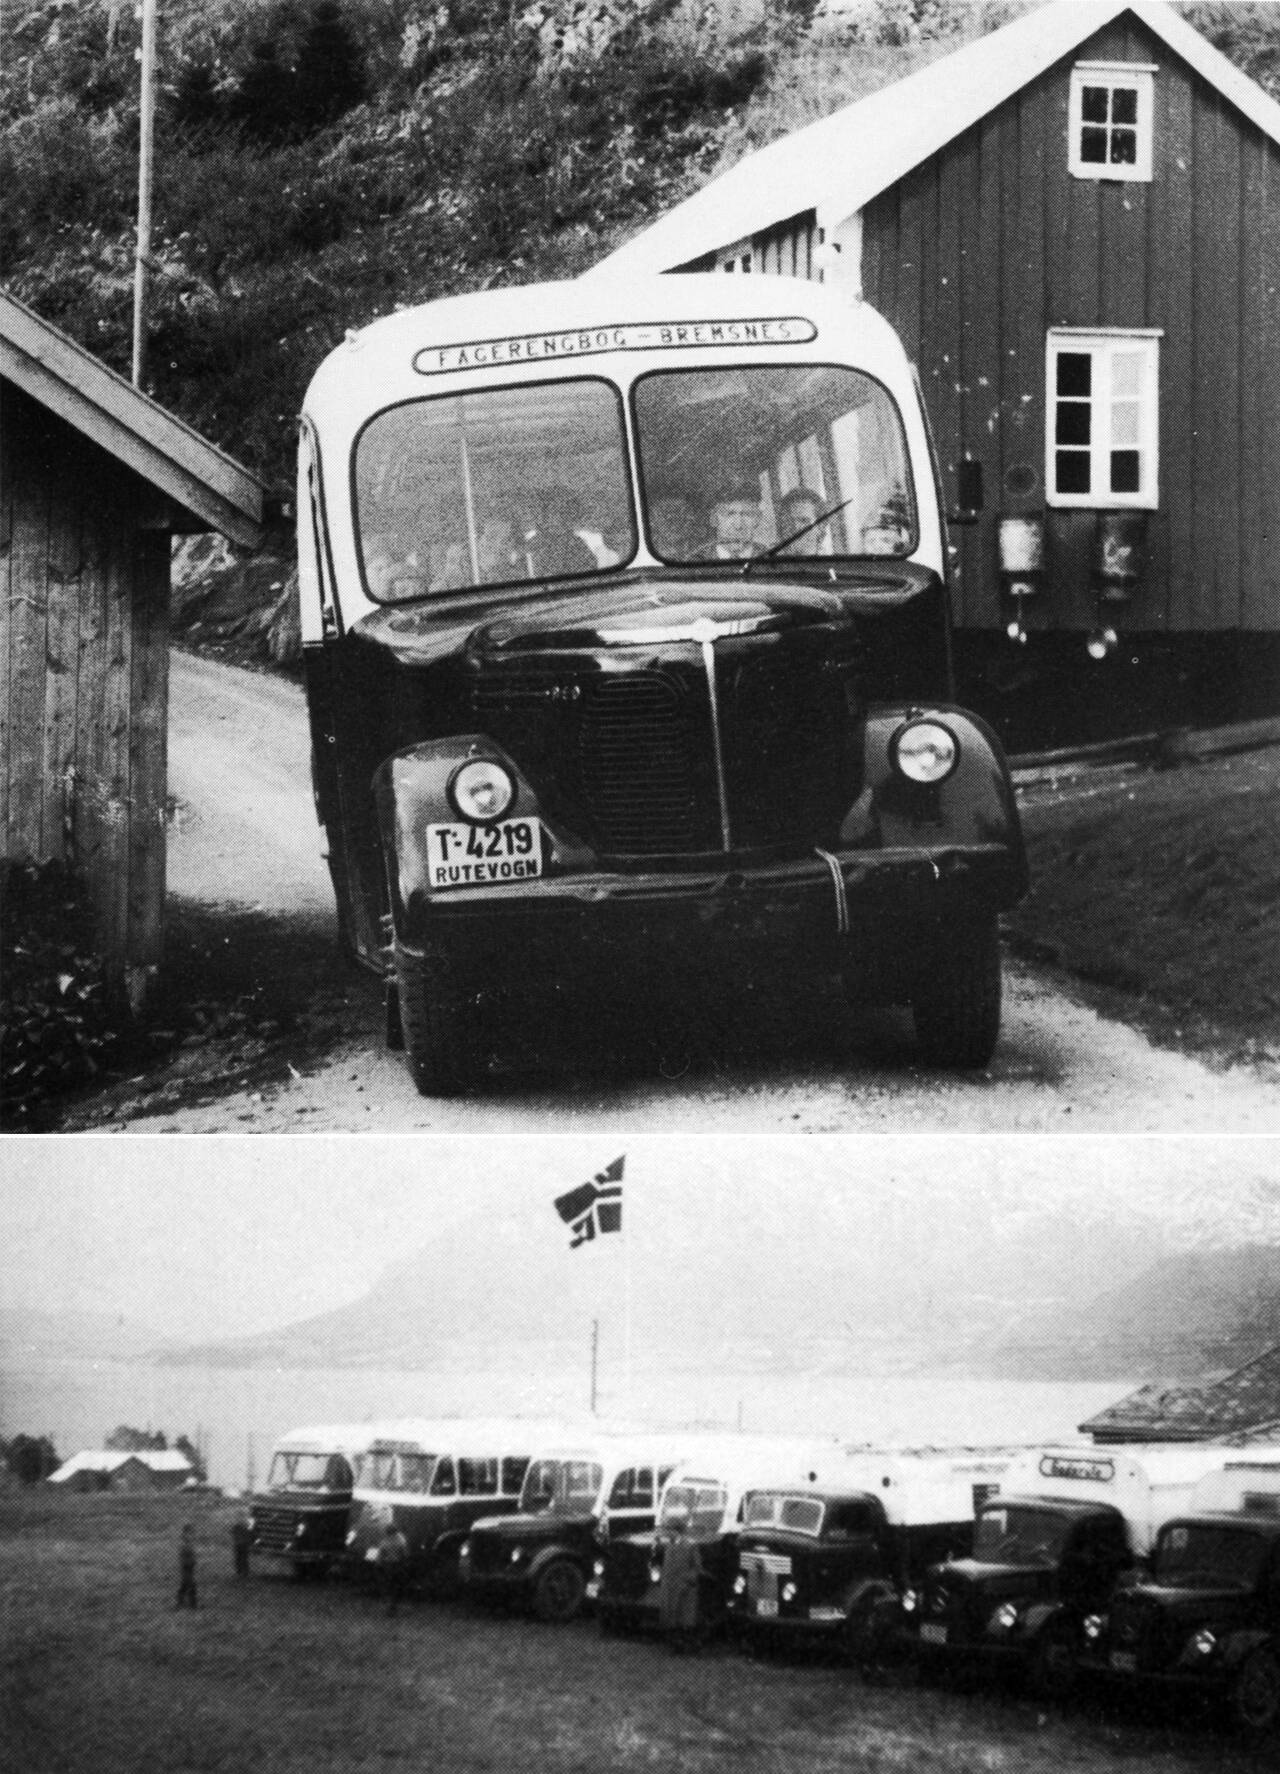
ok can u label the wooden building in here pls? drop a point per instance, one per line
(1074, 223)
(95, 479)
(1243, 1406)
(105, 1469)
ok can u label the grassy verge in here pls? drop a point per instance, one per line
(99, 1672)
(1159, 888)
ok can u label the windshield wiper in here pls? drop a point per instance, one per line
(776, 548)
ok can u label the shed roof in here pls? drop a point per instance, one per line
(840, 163)
(207, 484)
(1241, 1404)
(108, 1460)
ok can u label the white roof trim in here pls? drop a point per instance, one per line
(184, 466)
(840, 163)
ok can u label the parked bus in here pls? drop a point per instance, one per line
(577, 1496)
(433, 1480)
(625, 615)
(300, 1517)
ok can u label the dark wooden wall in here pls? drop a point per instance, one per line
(979, 251)
(83, 673)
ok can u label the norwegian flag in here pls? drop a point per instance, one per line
(595, 1207)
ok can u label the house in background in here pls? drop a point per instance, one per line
(1244, 1406)
(1074, 224)
(102, 1469)
(95, 480)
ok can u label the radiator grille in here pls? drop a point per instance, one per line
(636, 763)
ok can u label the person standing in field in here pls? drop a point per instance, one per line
(241, 1541)
(187, 1568)
(393, 1566)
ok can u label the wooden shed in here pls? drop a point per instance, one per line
(1074, 223)
(95, 480)
(106, 1469)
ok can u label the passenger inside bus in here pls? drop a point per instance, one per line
(735, 518)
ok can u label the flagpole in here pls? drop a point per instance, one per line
(626, 1280)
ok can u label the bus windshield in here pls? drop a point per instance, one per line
(565, 1487)
(1008, 1534)
(309, 1471)
(696, 1509)
(493, 487)
(500, 486)
(1202, 1555)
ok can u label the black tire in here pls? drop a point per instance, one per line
(1255, 1694)
(956, 1000)
(439, 1017)
(559, 1590)
(867, 1631)
(1053, 1672)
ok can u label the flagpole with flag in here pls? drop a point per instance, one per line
(592, 1211)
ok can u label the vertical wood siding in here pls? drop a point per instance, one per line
(977, 253)
(84, 675)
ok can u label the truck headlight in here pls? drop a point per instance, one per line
(351, 1537)
(1204, 1644)
(517, 1553)
(300, 1530)
(1092, 1627)
(788, 1592)
(924, 751)
(597, 1569)
(655, 1573)
(739, 1586)
(482, 790)
(910, 1601)
(1005, 1618)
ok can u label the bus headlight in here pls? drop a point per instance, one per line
(482, 790)
(910, 1601)
(788, 1592)
(924, 751)
(1004, 1619)
(739, 1586)
(1092, 1627)
(1204, 1644)
(517, 1553)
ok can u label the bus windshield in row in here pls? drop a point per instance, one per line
(566, 1487)
(1018, 1535)
(503, 486)
(318, 1472)
(1202, 1555)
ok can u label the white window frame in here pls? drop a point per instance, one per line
(1141, 77)
(1102, 344)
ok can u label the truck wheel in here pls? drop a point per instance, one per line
(558, 1592)
(1255, 1694)
(868, 1630)
(956, 1001)
(439, 1017)
(1054, 1667)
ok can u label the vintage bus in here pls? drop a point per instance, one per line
(300, 1517)
(625, 615)
(434, 1479)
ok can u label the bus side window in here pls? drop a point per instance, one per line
(620, 1495)
(444, 1484)
(478, 1478)
(513, 1471)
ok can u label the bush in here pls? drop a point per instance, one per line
(56, 1016)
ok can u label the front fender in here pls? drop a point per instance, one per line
(1241, 1644)
(975, 805)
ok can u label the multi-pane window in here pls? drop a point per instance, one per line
(1111, 120)
(1102, 412)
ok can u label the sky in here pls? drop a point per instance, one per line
(200, 1238)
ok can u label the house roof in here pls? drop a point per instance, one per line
(840, 163)
(69, 381)
(108, 1460)
(1241, 1404)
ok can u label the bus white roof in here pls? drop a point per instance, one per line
(1229, 1489)
(376, 365)
(476, 1436)
(327, 1438)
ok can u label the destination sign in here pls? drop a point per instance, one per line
(658, 335)
(1077, 1466)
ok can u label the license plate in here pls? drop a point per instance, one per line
(464, 855)
(766, 1610)
(1125, 1661)
(933, 1635)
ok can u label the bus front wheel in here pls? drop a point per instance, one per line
(439, 1018)
(558, 1592)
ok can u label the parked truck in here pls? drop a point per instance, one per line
(1206, 1617)
(300, 1518)
(1066, 1526)
(835, 1559)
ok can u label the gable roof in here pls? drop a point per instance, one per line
(108, 1460)
(840, 163)
(1241, 1404)
(181, 464)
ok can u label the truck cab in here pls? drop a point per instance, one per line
(576, 1497)
(703, 1500)
(625, 623)
(300, 1517)
(834, 1560)
(1065, 1528)
(1205, 1617)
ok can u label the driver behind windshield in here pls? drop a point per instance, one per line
(735, 518)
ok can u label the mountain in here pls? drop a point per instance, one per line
(64, 1336)
(1191, 1315)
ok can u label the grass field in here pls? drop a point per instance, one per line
(1160, 887)
(99, 1672)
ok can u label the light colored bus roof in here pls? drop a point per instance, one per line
(744, 1461)
(1119, 1467)
(376, 364)
(468, 1435)
(327, 1438)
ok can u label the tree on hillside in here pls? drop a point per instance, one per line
(330, 76)
(262, 103)
(126, 1440)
